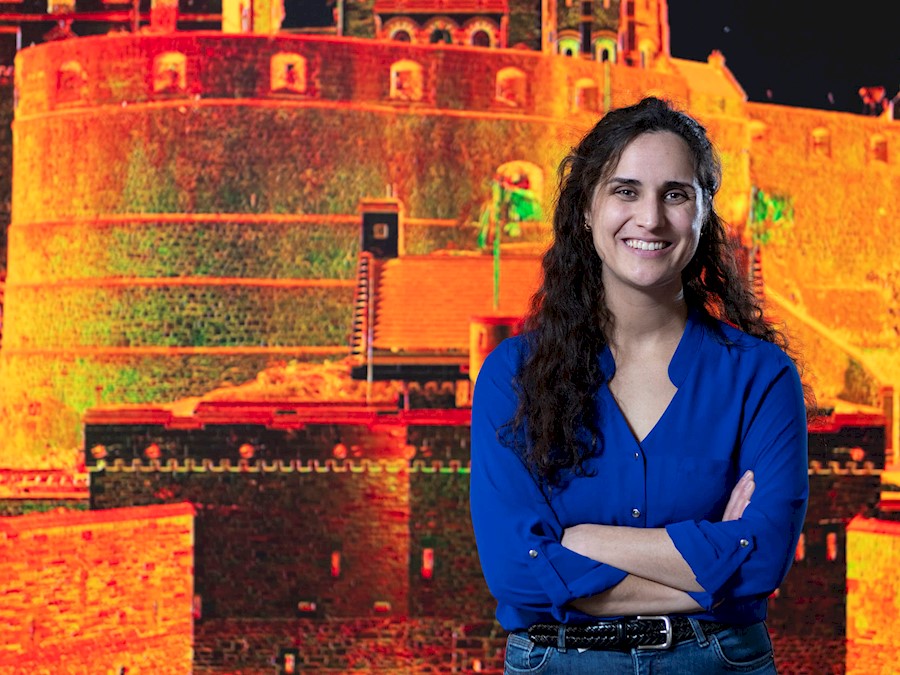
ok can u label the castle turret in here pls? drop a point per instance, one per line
(643, 31)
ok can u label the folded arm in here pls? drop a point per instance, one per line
(517, 532)
(738, 557)
(649, 553)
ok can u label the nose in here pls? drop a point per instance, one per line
(649, 213)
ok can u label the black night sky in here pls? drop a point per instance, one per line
(795, 52)
(803, 53)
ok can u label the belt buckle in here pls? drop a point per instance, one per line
(667, 631)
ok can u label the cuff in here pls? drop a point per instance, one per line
(714, 551)
(565, 575)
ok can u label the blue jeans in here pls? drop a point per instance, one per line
(746, 649)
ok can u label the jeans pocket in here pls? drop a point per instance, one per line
(523, 656)
(744, 648)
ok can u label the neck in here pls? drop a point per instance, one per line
(642, 318)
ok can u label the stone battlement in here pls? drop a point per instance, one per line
(280, 466)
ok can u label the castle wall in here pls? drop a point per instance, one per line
(410, 587)
(873, 596)
(836, 262)
(213, 223)
(85, 593)
(254, 573)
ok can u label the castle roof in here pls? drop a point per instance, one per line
(711, 78)
(423, 307)
(424, 304)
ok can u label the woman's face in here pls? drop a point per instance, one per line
(645, 218)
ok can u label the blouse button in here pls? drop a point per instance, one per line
(744, 543)
(635, 513)
(532, 553)
(636, 455)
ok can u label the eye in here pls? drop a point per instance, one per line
(626, 192)
(676, 196)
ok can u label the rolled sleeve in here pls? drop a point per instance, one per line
(714, 553)
(516, 531)
(749, 557)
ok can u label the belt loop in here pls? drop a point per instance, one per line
(702, 640)
(561, 638)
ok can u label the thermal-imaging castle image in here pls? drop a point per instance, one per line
(251, 273)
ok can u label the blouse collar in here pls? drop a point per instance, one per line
(683, 359)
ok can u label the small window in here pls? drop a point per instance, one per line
(442, 30)
(831, 546)
(170, 73)
(440, 35)
(481, 38)
(878, 149)
(406, 81)
(480, 32)
(569, 46)
(587, 96)
(381, 231)
(511, 88)
(71, 83)
(821, 142)
(401, 29)
(605, 50)
(288, 73)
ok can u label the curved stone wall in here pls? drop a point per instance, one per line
(194, 198)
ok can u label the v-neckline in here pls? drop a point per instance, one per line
(624, 420)
(682, 361)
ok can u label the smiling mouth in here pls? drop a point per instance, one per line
(646, 245)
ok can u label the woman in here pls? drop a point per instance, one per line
(617, 441)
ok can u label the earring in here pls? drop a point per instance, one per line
(586, 225)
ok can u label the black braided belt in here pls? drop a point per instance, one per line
(641, 632)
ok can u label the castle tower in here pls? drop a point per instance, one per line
(643, 32)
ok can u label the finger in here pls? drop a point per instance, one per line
(739, 497)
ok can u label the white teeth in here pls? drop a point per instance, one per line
(645, 245)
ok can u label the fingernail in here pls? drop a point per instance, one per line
(748, 475)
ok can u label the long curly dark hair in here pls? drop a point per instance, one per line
(568, 323)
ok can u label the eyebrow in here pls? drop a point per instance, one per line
(668, 185)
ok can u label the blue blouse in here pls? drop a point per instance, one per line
(739, 405)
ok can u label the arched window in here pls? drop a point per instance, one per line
(288, 73)
(511, 87)
(878, 149)
(481, 38)
(401, 29)
(170, 73)
(820, 142)
(587, 96)
(440, 30)
(605, 49)
(406, 81)
(480, 32)
(71, 83)
(569, 46)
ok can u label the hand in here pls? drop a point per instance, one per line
(740, 497)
